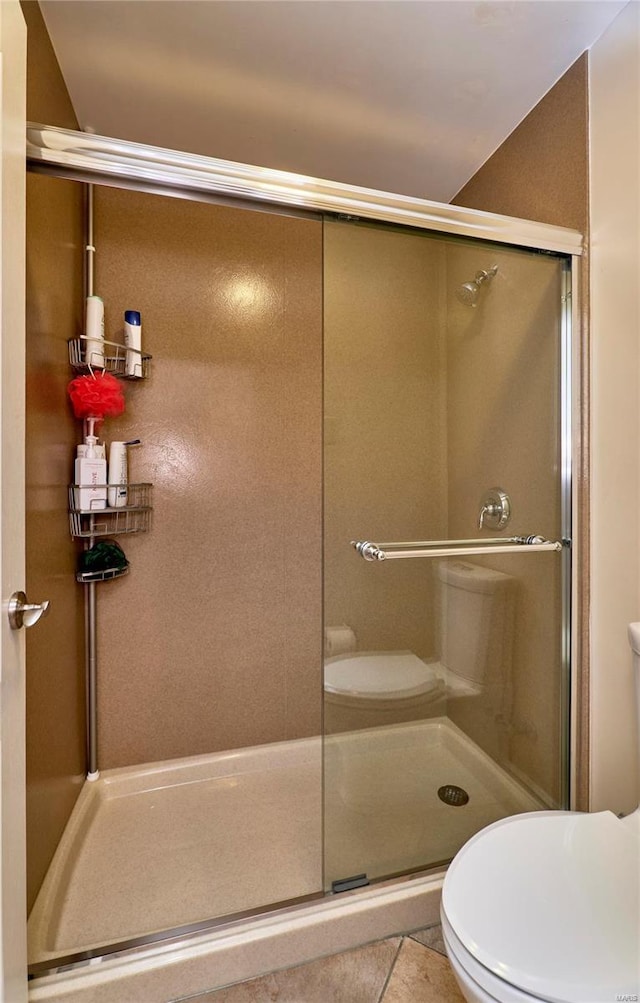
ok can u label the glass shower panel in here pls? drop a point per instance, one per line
(445, 676)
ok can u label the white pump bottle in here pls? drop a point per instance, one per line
(90, 475)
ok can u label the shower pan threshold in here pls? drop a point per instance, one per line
(169, 844)
(165, 845)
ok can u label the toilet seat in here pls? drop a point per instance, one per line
(480, 985)
(379, 675)
(578, 940)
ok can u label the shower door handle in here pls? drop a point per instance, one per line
(455, 548)
(25, 614)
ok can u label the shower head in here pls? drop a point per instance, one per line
(468, 292)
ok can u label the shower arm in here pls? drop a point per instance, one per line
(455, 548)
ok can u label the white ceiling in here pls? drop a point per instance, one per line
(409, 96)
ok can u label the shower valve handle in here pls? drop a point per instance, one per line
(487, 510)
(495, 509)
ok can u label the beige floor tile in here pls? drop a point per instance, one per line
(431, 937)
(352, 977)
(421, 976)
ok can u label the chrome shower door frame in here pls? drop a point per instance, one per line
(106, 161)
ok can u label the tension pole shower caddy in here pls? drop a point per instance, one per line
(90, 525)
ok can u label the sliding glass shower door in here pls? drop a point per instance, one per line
(446, 629)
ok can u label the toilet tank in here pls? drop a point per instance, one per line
(475, 620)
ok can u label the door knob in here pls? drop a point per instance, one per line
(25, 614)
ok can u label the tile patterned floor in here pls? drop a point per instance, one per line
(409, 969)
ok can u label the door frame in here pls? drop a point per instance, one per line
(13, 948)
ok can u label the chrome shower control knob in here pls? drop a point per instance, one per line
(495, 509)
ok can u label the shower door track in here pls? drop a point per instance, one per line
(85, 157)
(181, 935)
(94, 159)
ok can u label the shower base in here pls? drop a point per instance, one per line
(164, 845)
(383, 813)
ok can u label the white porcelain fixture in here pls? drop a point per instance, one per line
(546, 906)
(382, 677)
(475, 629)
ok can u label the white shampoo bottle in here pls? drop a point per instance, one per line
(118, 473)
(133, 341)
(90, 475)
(94, 330)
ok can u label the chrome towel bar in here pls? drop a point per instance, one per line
(454, 548)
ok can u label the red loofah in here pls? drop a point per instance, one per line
(97, 396)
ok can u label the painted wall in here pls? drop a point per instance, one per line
(55, 649)
(614, 87)
(213, 641)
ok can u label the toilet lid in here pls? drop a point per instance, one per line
(379, 675)
(549, 902)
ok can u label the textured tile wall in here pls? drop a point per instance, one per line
(385, 440)
(503, 401)
(55, 650)
(214, 639)
(541, 172)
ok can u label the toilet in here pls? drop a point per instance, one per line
(545, 906)
(475, 629)
(372, 688)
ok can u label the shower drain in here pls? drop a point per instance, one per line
(453, 795)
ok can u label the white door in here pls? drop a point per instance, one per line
(13, 963)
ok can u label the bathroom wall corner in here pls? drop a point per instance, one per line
(55, 656)
(48, 100)
(614, 147)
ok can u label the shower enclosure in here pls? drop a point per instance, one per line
(452, 674)
(283, 715)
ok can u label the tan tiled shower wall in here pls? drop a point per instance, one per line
(541, 172)
(55, 651)
(503, 430)
(213, 640)
(386, 435)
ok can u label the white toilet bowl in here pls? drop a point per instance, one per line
(374, 688)
(546, 906)
(380, 677)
